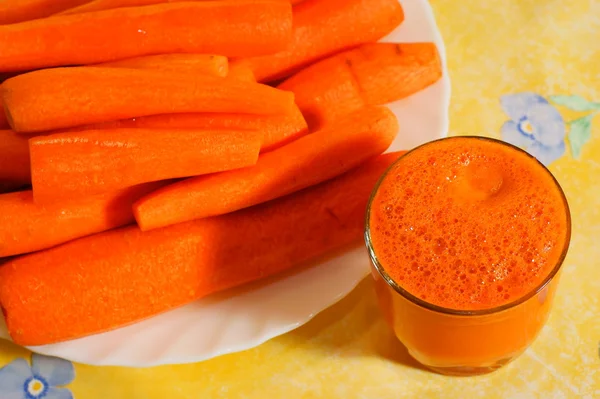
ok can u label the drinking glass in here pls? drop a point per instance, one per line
(463, 342)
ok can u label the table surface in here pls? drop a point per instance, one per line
(503, 55)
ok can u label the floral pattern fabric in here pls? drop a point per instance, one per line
(537, 126)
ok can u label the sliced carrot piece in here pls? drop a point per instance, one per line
(300, 164)
(388, 72)
(231, 28)
(374, 73)
(213, 65)
(79, 164)
(101, 5)
(324, 27)
(241, 72)
(65, 97)
(27, 227)
(13, 11)
(325, 92)
(278, 130)
(112, 279)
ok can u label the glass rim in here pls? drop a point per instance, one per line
(474, 312)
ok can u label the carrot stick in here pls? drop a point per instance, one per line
(300, 164)
(64, 97)
(278, 130)
(111, 279)
(374, 73)
(325, 92)
(388, 72)
(230, 28)
(100, 5)
(213, 65)
(78, 164)
(324, 27)
(13, 11)
(3, 121)
(14, 161)
(241, 72)
(28, 227)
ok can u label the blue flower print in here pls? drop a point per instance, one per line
(535, 125)
(40, 381)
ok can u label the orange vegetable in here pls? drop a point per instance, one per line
(230, 28)
(115, 278)
(64, 97)
(241, 72)
(79, 164)
(324, 27)
(14, 161)
(277, 129)
(13, 11)
(100, 5)
(374, 73)
(214, 65)
(303, 163)
(3, 121)
(28, 227)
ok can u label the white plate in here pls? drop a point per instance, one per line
(245, 318)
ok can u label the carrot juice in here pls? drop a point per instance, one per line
(467, 236)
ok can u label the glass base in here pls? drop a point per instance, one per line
(464, 371)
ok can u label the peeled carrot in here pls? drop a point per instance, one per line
(230, 28)
(3, 121)
(324, 27)
(27, 227)
(14, 161)
(115, 278)
(278, 130)
(241, 72)
(213, 65)
(100, 5)
(78, 164)
(13, 11)
(374, 73)
(300, 164)
(64, 97)
(388, 72)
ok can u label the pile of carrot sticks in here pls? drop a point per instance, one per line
(154, 152)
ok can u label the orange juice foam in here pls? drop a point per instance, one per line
(468, 224)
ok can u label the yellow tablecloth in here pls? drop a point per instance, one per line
(506, 57)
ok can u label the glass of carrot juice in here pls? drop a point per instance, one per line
(467, 236)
